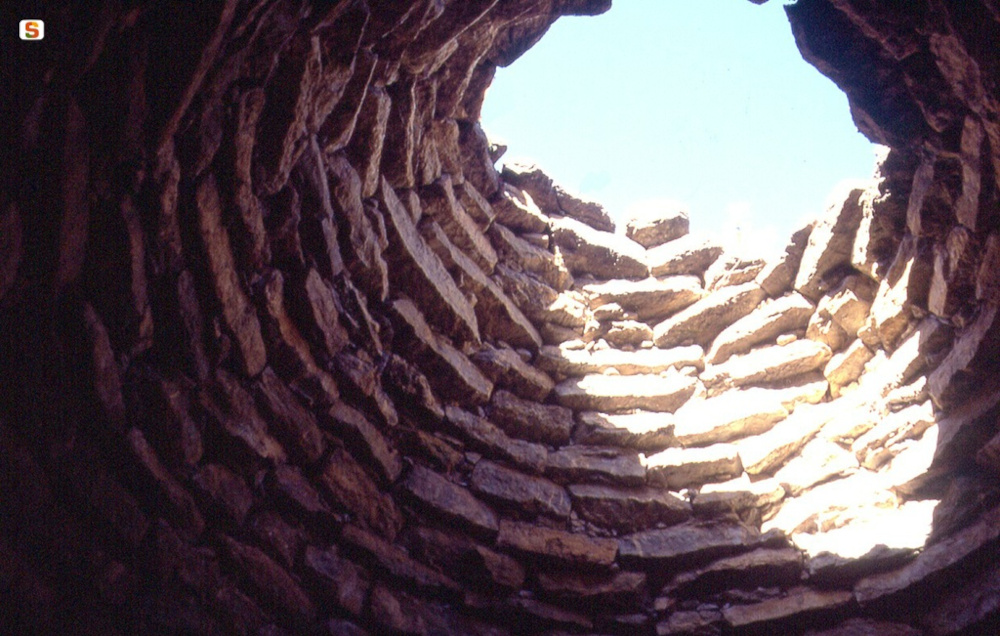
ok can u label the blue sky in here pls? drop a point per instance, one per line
(706, 102)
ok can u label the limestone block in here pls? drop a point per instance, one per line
(547, 424)
(628, 333)
(677, 468)
(701, 322)
(657, 225)
(792, 607)
(831, 242)
(590, 212)
(847, 366)
(346, 483)
(518, 252)
(450, 501)
(566, 547)
(733, 414)
(628, 510)
(483, 436)
(616, 393)
(731, 270)
(594, 464)
(641, 430)
(772, 318)
(523, 493)
(515, 209)
(778, 275)
(577, 362)
(531, 179)
(660, 547)
(974, 352)
(649, 298)
(767, 365)
(419, 273)
(601, 254)
(448, 370)
(506, 369)
(438, 199)
(688, 255)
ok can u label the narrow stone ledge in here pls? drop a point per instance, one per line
(797, 606)
(677, 468)
(641, 431)
(522, 493)
(579, 362)
(650, 298)
(701, 322)
(628, 510)
(577, 464)
(450, 500)
(685, 544)
(617, 393)
(448, 370)
(558, 545)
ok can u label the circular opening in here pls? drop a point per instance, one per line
(705, 103)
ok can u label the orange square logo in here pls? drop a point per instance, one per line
(32, 29)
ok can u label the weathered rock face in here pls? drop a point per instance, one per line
(282, 351)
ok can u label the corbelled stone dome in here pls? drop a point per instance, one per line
(283, 352)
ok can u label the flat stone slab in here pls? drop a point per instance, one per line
(505, 368)
(660, 547)
(579, 464)
(524, 493)
(617, 586)
(651, 297)
(601, 254)
(831, 242)
(793, 607)
(484, 437)
(934, 558)
(687, 255)
(737, 495)
(628, 509)
(643, 430)
(771, 319)
(450, 500)
(617, 393)
(768, 365)
(677, 468)
(446, 368)
(730, 415)
(655, 227)
(530, 421)
(419, 273)
(577, 362)
(764, 452)
(559, 545)
(704, 320)
(763, 567)
(590, 212)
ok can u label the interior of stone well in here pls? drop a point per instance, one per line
(283, 352)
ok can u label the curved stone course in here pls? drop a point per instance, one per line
(282, 351)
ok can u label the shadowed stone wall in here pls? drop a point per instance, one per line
(281, 351)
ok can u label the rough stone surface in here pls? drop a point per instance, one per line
(271, 349)
(787, 314)
(615, 393)
(704, 320)
(689, 255)
(589, 251)
(628, 510)
(658, 226)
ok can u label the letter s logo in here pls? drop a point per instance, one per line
(32, 29)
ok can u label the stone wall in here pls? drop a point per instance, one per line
(281, 351)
